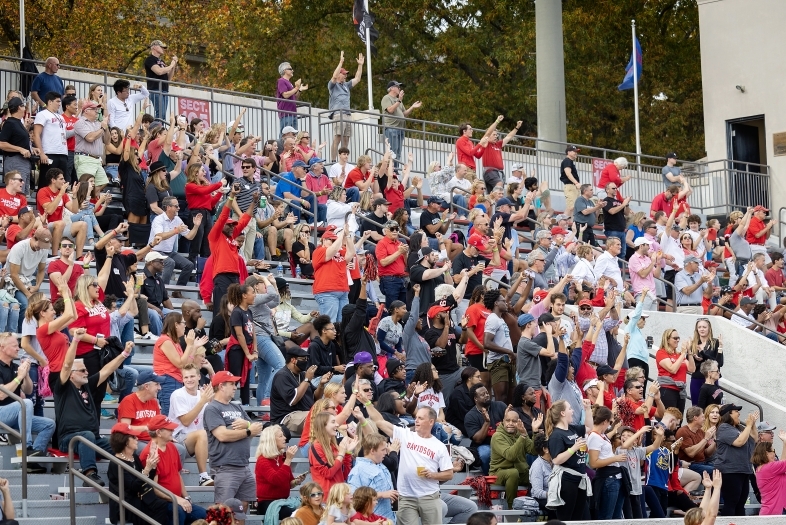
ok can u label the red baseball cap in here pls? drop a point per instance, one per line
(539, 296)
(585, 302)
(125, 428)
(434, 310)
(760, 208)
(330, 233)
(478, 241)
(223, 377)
(556, 230)
(159, 422)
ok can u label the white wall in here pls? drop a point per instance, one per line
(740, 44)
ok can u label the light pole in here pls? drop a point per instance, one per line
(21, 28)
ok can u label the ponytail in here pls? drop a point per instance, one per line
(553, 415)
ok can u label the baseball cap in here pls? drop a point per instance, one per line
(478, 241)
(525, 319)
(393, 83)
(154, 256)
(504, 201)
(343, 71)
(603, 370)
(556, 230)
(15, 103)
(423, 253)
(160, 421)
(585, 302)
(725, 409)
(89, 104)
(539, 296)
(747, 300)
(562, 217)
(330, 233)
(23, 210)
(158, 43)
(380, 201)
(231, 221)
(393, 365)
(146, 376)
(765, 427)
(315, 160)
(296, 351)
(288, 129)
(44, 237)
(436, 309)
(518, 167)
(590, 384)
(125, 428)
(362, 358)
(221, 377)
(760, 208)
(672, 155)
(433, 198)
(571, 148)
(692, 259)
(299, 164)
(391, 224)
(641, 240)
(237, 508)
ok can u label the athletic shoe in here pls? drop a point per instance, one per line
(206, 482)
(106, 414)
(93, 476)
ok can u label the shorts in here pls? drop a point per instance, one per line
(84, 164)
(571, 194)
(502, 372)
(279, 236)
(477, 361)
(342, 125)
(66, 230)
(234, 482)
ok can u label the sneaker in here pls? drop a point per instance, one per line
(206, 482)
(4, 439)
(93, 476)
(106, 414)
(265, 403)
(35, 468)
(32, 453)
(149, 335)
(263, 416)
(109, 398)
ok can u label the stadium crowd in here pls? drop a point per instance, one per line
(481, 356)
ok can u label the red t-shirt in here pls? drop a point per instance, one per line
(95, 320)
(492, 156)
(727, 235)
(394, 195)
(637, 420)
(355, 176)
(659, 203)
(168, 468)
(54, 345)
(682, 372)
(11, 233)
(682, 206)
(329, 276)
(774, 277)
(131, 407)
(47, 195)
(610, 174)
(69, 122)
(476, 315)
(371, 517)
(586, 370)
(756, 225)
(10, 204)
(385, 248)
(58, 266)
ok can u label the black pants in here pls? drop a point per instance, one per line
(681, 501)
(632, 361)
(58, 161)
(588, 236)
(284, 512)
(631, 508)
(236, 359)
(199, 245)
(93, 364)
(672, 398)
(576, 507)
(109, 221)
(221, 284)
(734, 491)
(354, 291)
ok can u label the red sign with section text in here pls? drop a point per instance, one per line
(193, 108)
(597, 169)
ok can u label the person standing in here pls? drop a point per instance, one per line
(496, 340)
(692, 286)
(585, 213)
(735, 444)
(394, 114)
(70, 107)
(47, 82)
(229, 434)
(49, 136)
(91, 136)
(287, 93)
(569, 176)
(670, 172)
(614, 214)
(15, 146)
(758, 232)
(338, 104)
(121, 106)
(158, 74)
(643, 268)
(392, 256)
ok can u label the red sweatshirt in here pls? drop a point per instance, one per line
(273, 478)
(466, 152)
(206, 283)
(324, 474)
(198, 195)
(222, 248)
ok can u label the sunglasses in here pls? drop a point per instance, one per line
(66, 245)
(675, 338)
(316, 494)
(366, 390)
(585, 308)
(94, 285)
(80, 370)
(248, 167)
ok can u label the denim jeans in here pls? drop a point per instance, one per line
(9, 317)
(197, 513)
(396, 138)
(484, 451)
(456, 508)
(393, 288)
(331, 304)
(87, 456)
(702, 467)
(23, 302)
(169, 385)
(89, 218)
(160, 102)
(287, 120)
(11, 415)
(270, 361)
(353, 194)
(175, 260)
(35, 397)
(610, 504)
(156, 320)
(112, 172)
(621, 237)
(461, 200)
(129, 374)
(259, 247)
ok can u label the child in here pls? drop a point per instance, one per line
(87, 209)
(364, 501)
(339, 505)
(660, 464)
(636, 454)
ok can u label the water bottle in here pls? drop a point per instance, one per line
(280, 270)
(297, 272)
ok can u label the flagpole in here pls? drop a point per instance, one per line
(368, 60)
(636, 97)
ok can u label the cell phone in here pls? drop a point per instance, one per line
(98, 336)
(236, 186)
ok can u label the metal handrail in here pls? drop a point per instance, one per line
(758, 324)
(365, 218)
(21, 434)
(270, 175)
(120, 498)
(452, 204)
(781, 222)
(380, 153)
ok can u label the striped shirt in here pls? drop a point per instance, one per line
(247, 190)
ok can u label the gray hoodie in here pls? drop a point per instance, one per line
(418, 350)
(261, 309)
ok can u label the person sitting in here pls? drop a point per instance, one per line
(540, 472)
(460, 401)
(273, 471)
(293, 394)
(154, 288)
(395, 382)
(138, 408)
(310, 510)
(481, 423)
(50, 202)
(509, 444)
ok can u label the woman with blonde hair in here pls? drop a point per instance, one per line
(338, 207)
(96, 94)
(635, 230)
(673, 367)
(273, 470)
(201, 198)
(706, 513)
(704, 347)
(311, 508)
(438, 178)
(329, 461)
(711, 417)
(303, 149)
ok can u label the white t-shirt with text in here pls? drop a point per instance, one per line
(416, 452)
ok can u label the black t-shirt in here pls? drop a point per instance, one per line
(118, 275)
(464, 261)
(427, 287)
(7, 374)
(429, 218)
(153, 288)
(506, 223)
(567, 163)
(244, 319)
(541, 341)
(74, 408)
(614, 222)
(375, 226)
(561, 440)
(445, 362)
(710, 395)
(154, 84)
(283, 392)
(15, 133)
(305, 269)
(474, 420)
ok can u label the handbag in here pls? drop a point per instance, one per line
(278, 340)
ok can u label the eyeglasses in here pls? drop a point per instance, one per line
(316, 494)
(585, 308)
(69, 245)
(612, 187)
(18, 180)
(366, 390)
(94, 285)
(80, 370)
(331, 329)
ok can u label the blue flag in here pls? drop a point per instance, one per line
(627, 82)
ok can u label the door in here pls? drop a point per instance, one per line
(747, 187)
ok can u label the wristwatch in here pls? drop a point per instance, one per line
(248, 432)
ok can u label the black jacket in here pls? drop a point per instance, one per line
(353, 331)
(459, 404)
(391, 385)
(324, 357)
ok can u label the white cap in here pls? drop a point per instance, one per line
(641, 240)
(154, 256)
(590, 384)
